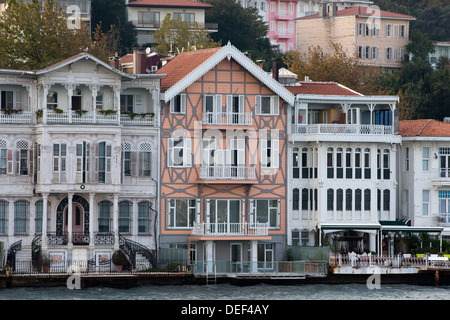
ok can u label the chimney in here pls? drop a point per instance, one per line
(260, 63)
(275, 69)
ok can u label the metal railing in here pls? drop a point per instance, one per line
(271, 268)
(227, 118)
(398, 261)
(348, 129)
(227, 172)
(230, 229)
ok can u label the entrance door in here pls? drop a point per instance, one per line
(236, 257)
(77, 223)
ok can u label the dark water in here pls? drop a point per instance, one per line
(230, 292)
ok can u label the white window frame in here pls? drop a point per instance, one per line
(426, 158)
(426, 202)
(172, 206)
(178, 104)
(274, 105)
(389, 30)
(183, 144)
(272, 205)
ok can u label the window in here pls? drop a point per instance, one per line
(104, 162)
(406, 164)
(305, 199)
(269, 152)
(386, 168)
(179, 152)
(367, 198)
(149, 19)
(272, 25)
(360, 52)
(367, 52)
(20, 217)
(145, 163)
(3, 157)
(425, 158)
(82, 162)
(295, 164)
(366, 163)
(291, 7)
(358, 170)
(189, 18)
(59, 162)
(361, 29)
(235, 109)
(330, 168)
(339, 160)
(3, 216)
(124, 216)
(402, 31)
(386, 200)
(388, 30)
(281, 9)
(126, 103)
(281, 28)
(178, 104)
(444, 205)
(7, 100)
(182, 213)
(425, 202)
(358, 200)
(295, 199)
(330, 199)
(39, 216)
(388, 53)
(272, 7)
(348, 163)
(396, 30)
(144, 217)
(267, 212)
(374, 53)
(339, 200)
(267, 105)
(22, 158)
(348, 199)
(104, 216)
(126, 157)
(375, 30)
(52, 100)
(444, 162)
(99, 101)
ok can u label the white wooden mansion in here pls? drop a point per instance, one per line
(78, 160)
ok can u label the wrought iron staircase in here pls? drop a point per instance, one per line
(132, 248)
(16, 246)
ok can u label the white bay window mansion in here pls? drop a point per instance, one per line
(78, 161)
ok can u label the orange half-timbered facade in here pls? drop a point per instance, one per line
(223, 159)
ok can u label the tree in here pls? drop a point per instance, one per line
(43, 38)
(177, 36)
(111, 15)
(337, 66)
(244, 28)
(419, 46)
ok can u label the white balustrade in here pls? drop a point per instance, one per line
(227, 172)
(230, 229)
(16, 118)
(345, 129)
(227, 118)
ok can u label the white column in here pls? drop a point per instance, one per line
(116, 221)
(254, 255)
(134, 218)
(11, 220)
(44, 220)
(69, 218)
(91, 218)
(209, 256)
(372, 241)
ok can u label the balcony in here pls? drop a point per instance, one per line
(230, 229)
(227, 118)
(95, 117)
(441, 177)
(24, 117)
(227, 173)
(342, 132)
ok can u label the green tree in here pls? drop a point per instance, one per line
(244, 28)
(43, 38)
(420, 45)
(111, 15)
(177, 36)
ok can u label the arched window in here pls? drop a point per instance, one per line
(3, 216)
(124, 216)
(295, 199)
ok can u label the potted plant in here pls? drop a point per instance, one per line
(56, 110)
(80, 112)
(119, 259)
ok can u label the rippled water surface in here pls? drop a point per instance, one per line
(230, 292)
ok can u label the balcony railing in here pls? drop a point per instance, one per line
(343, 129)
(79, 238)
(95, 117)
(16, 118)
(230, 229)
(227, 118)
(227, 172)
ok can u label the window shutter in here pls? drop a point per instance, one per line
(95, 156)
(258, 104)
(10, 161)
(263, 152)
(218, 104)
(275, 153)
(108, 163)
(229, 103)
(17, 162)
(138, 104)
(31, 160)
(275, 104)
(133, 163)
(252, 211)
(187, 157)
(241, 103)
(183, 103)
(241, 152)
(172, 101)
(170, 152)
(168, 213)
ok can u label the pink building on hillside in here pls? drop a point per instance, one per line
(281, 22)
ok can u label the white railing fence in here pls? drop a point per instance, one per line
(230, 229)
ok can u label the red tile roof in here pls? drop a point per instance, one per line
(169, 3)
(424, 128)
(323, 88)
(362, 11)
(182, 65)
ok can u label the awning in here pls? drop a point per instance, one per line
(412, 229)
(335, 227)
